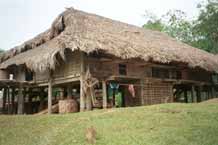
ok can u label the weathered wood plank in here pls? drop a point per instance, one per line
(20, 100)
(50, 95)
(104, 88)
(82, 71)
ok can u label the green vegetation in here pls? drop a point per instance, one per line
(166, 124)
(200, 32)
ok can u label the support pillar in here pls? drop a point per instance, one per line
(104, 90)
(89, 100)
(213, 92)
(30, 96)
(12, 100)
(4, 100)
(186, 95)
(199, 89)
(20, 101)
(50, 95)
(8, 100)
(82, 96)
(194, 97)
(142, 92)
(82, 72)
(69, 91)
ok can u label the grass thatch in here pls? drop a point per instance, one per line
(75, 29)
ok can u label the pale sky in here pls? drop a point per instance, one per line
(21, 20)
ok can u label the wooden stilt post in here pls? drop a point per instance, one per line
(30, 96)
(208, 93)
(50, 94)
(4, 100)
(194, 94)
(82, 96)
(186, 95)
(88, 100)
(12, 100)
(213, 92)
(82, 71)
(20, 100)
(104, 91)
(8, 100)
(142, 91)
(24, 100)
(199, 93)
(69, 91)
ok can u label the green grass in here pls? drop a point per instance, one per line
(166, 124)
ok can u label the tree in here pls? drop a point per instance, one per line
(206, 27)
(201, 32)
(174, 23)
(153, 22)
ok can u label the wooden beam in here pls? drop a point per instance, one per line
(142, 92)
(69, 91)
(12, 100)
(199, 90)
(213, 92)
(20, 100)
(89, 100)
(82, 72)
(30, 96)
(9, 100)
(4, 100)
(194, 97)
(24, 99)
(104, 91)
(50, 95)
(186, 95)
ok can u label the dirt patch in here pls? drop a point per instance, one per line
(211, 101)
(170, 111)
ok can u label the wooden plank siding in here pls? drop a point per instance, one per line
(65, 69)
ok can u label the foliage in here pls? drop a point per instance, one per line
(174, 23)
(206, 28)
(153, 22)
(201, 32)
(166, 124)
(178, 26)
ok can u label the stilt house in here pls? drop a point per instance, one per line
(103, 63)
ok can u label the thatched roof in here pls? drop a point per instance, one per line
(75, 30)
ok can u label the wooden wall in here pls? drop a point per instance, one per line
(196, 75)
(19, 73)
(63, 69)
(101, 69)
(70, 67)
(105, 69)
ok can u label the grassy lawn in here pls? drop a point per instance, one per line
(166, 124)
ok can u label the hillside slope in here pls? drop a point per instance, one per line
(166, 124)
